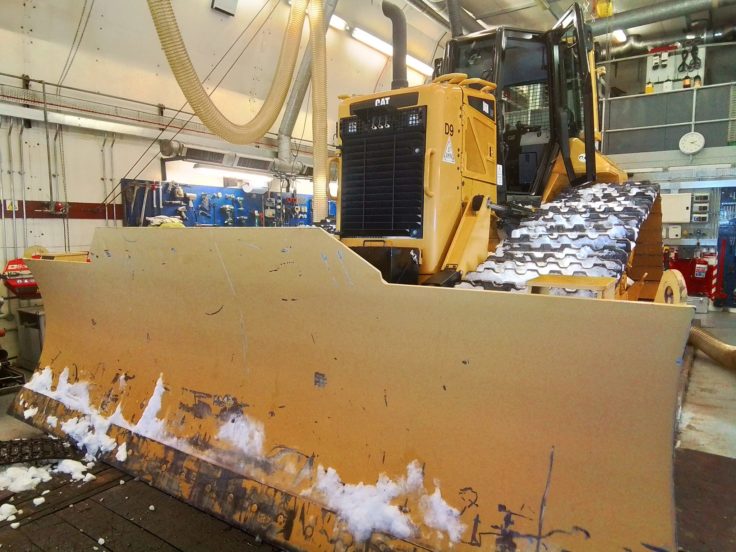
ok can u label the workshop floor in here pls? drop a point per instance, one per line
(705, 476)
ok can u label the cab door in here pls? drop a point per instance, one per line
(572, 94)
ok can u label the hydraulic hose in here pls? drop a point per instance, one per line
(178, 58)
(319, 109)
(721, 352)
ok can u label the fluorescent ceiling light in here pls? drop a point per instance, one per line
(619, 36)
(690, 36)
(696, 167)
(374, 42)
(338, 23)
(645, 170)
(419, 66)
(232, 173)
(385, 48)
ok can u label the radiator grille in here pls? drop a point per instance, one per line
(194, 154)
(251, 163)
(382, 185)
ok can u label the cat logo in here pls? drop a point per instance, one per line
(383, 101)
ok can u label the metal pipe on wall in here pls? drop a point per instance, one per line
(653, 13)
(104, 176)
(22, 178)
(65, 219)
(2, 211)
(11, 170)
(48, 142)
(56, 159)
(112, 179)
(295, 100)
(398, 39)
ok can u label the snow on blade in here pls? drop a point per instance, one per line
(30, 412)
(122, 454)
(150, 425)
(367, 508)
(17, 478)
(245, 433)
(38, 501)
(90, 432)
(52, 421)
(441, 516)
(41, 381)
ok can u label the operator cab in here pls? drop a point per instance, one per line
(543, 97)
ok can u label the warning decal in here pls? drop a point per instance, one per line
(448, 156)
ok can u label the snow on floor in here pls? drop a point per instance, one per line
(17, 478)
(7, 510)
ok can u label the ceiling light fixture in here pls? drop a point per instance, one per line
(619, 36)
(385, 48)
(232, 173)
(696, 167)
(337, 22)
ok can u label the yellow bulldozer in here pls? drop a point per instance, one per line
(295, 385)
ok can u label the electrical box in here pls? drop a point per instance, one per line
(676, 207)
(701, 197)
(674, 232)
(700, 218)
(31, 330)
(225, 6)
(700, 207)
(666, 70)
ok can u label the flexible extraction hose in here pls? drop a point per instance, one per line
(319, 109)
(721, 352)
(178, 58)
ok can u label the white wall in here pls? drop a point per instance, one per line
(120, 55)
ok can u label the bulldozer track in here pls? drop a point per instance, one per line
(586, 231)
(32, 450)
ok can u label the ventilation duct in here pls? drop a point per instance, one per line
(454, 11)
(172, 150)
(438, 12)
(635, 44)
(654, 13)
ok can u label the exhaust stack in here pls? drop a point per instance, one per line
(398, 20)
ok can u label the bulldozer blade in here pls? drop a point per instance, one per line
(270, 377)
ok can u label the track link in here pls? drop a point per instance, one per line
(586, 231)
(32, 450)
